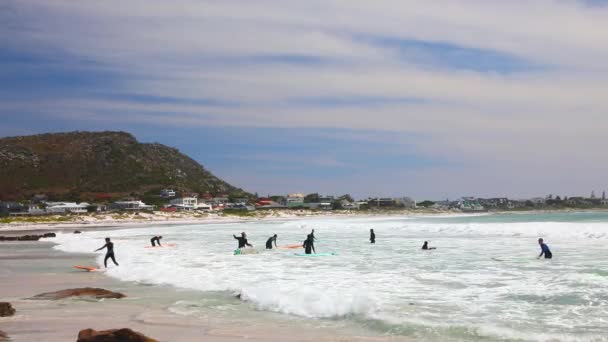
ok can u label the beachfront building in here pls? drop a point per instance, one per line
(295, 200)
(185, 203)
(131, 205)
(66, 207)
(167, 193)
(347, 205)
(381, 202)
(326, 202)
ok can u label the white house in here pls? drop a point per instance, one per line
(66, 207)
(132, 205)
(167, 193)
(295, 200)
(185, 202)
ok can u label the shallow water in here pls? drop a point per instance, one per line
(482, 283)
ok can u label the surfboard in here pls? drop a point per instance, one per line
(165, 245)
(244, 251)
(291, 247)
(315, 255)
(86, 268)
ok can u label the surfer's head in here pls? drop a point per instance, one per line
(243, 234)
(107, 239)
(540, 241)
(275, 235)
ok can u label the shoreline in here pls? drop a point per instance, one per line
(30, 268)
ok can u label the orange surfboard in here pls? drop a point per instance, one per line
(86, 268)
(165, 245)
(291, 246)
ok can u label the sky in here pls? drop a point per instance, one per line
(428, 99)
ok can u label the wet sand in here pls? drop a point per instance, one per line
(30, 268)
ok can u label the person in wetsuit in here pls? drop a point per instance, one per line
(109, 253)
(313, 235)
(544, 249)
(309, 244)
(426, 247)
(270, 240)
(156, 240)
(372, 236)
(242, 240)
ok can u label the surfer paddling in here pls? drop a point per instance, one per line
(109, 252)
(372, 236)
(242, 240)
(270, 241)
(425, 246)
(156, 240)
(544, 250)
(309, 244)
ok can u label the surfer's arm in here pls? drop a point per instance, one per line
(100, 248)
(275, 244)
(248, 244)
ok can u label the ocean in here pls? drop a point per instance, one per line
(482, 283)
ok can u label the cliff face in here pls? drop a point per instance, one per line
(97, 162)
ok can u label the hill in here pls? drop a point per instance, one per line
(82, 165)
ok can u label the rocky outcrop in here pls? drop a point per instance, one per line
(27, 237)
(6, 309)
(77, 232)
(90, 292)
(114, 335)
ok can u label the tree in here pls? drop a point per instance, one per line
(311, 198)
(558, 198)
(426, 204)
(346, 197)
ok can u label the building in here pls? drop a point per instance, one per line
(295, 200)
(131, 205)
(345, 204)
(66, 207)
(326, 202)
(381, 202)
(188, 203)
(167, 193)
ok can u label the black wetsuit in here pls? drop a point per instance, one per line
(155, 240)
(425, 246)
(372, 237)
(109, 254)
(544, 249)
(269, 242)
(309, 245)
(242, 241)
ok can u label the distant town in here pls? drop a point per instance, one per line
(169, 200)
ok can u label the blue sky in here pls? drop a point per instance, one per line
(391, 98)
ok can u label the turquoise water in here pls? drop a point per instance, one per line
(483, 282)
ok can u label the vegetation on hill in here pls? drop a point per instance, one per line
(90, 165)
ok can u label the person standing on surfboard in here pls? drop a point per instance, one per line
(309, 244)
(544, 249)
(270, 240)
(243, 240)
(156, 240)
(109, 253)
(372, 236)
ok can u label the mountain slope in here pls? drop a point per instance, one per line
(97, 162)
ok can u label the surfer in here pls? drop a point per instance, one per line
(372, 236)
(309, 244)
(270, 240)
(426, 247)
(109, 253)
(242, 240)
(544, 249)
(313, 235)
(156, 240)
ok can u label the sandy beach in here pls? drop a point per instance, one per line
(30, 268)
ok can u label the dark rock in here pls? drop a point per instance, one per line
(27, 237)
(114, 335)
(80, 292)
(77, 232)
(6, 309)
(49, 235)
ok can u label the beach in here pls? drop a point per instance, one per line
(482, 283)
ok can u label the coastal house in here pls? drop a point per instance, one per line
(381, 202)
(326, 202)
(131, 205)
(66, 207)
(7, 208)
(295, 200)
(185, 203)
(167, 193)
(347, 205)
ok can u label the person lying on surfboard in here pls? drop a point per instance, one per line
(309, 244)
(243, 240)
(270, 240)
(109, 253)
(156, 240)
(544, 249)
(425, 246)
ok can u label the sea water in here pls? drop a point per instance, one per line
(483, 282)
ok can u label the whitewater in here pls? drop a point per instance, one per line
(483, 282)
